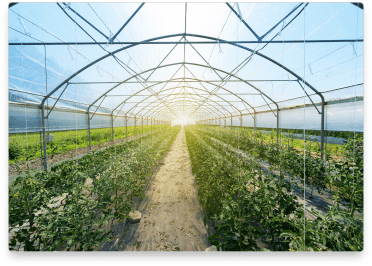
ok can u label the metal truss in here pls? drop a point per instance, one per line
(184, 99)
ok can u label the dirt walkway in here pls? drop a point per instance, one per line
(172, 218)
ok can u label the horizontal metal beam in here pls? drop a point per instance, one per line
(175, 80)
(196, 94)
(190, 42)
(202, 94)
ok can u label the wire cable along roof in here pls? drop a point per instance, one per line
(185, 61)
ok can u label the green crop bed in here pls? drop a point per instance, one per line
(95, 189)
(28, 146)
(247, 206)
(335, 150)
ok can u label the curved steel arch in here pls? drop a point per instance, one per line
(135, 94)
(233, 94)
(200, 96)
(183, 34)
(177, 35)
(156, 114)
(209, 108)
(160, 103)
(187, 63)
(163, 110)
(169, 36)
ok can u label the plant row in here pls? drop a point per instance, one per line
(336, 134)
(251, 210)
(67, 208)
(342, 177)
(28, 146)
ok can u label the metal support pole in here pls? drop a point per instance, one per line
(112, 128)
(135, 125)
(322, 130)
(142, 125)
(277, 127)
(254, 125)
(44, 140)
(41, 144)
(89, 134)
(126, 127)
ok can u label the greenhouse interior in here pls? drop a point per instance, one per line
(185, 126)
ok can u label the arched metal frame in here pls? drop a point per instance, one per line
(194, 88)
(194, 64)
(160, 103)
(205, 90)
(136, 94)
(184, 63)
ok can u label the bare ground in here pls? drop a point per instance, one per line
(172, 218)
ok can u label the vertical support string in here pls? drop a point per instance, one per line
(76, 109)
(303, 83)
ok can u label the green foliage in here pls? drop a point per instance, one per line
(28, 146)
(249, 207)
(14, 151)
(66, 208)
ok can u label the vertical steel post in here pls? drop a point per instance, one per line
(135, 125)
(126, 127)
(112, 128)
(254, 125)
(142, 125)
(44, 140)
(322, 130)
(41, 144)
(89, 137)
(277, 127)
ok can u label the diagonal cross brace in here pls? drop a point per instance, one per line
(309, 97)
(125, 24)
(90, 24)
(245, 23)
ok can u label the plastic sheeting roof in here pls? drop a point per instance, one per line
(184, 61)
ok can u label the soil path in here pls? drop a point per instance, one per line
(172, 218)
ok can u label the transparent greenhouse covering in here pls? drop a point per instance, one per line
(273, 65)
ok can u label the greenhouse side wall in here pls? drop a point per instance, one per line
(26, 118)
(339, 116)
